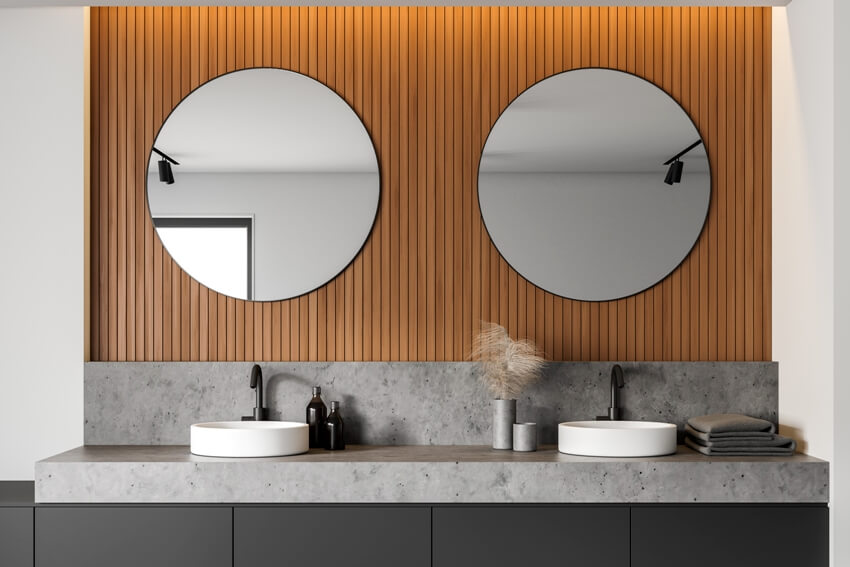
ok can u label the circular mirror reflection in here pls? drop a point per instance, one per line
(594, 184)
(263, 184)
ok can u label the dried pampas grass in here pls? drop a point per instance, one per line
(508, 365)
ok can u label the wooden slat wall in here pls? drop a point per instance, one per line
(429, 83)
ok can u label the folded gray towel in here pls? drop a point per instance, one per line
(731, 425)
(741, 442)
(742, 451)
(732, 436)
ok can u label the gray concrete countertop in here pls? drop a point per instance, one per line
(422, 474)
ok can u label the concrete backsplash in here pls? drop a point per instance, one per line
(411, 403)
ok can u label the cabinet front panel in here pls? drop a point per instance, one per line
(732, 536)
(518, 535)
(133, 537)
(297, 536)
(16, 537)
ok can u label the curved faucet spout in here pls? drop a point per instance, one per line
(616, 384)
(614, 410)
(257, 383)
(260, 413)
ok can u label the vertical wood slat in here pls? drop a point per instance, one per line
(429, 84)
(129, 229)
(138, 195)
(111, 220)
(96, 352)
(162, 262)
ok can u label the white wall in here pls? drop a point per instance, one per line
(307, 226)
(41, 235)
(841, 450)
(810, 241)
(803, 195)
(654, 225)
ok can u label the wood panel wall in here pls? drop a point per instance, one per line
(429, 83)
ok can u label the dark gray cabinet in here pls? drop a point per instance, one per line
(16, 537)
(321, 535)
(415, 535)
(502, 536)
(133, 536)
(732, 536)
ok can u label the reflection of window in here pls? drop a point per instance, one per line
(216, 251)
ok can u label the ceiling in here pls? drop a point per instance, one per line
(592, 121)
(31, 3)
(266, 121)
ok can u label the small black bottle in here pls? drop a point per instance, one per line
(317, 412)
(334, 438)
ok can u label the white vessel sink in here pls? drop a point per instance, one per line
(248, 438)
(617, 438)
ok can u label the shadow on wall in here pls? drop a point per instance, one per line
(277, 383)
(797, 434)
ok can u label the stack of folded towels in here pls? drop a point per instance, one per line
(733, 434)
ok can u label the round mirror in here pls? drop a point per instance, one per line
(263, 184)
(594, 184)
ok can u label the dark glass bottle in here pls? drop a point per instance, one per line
(334, 438)
(317, 412)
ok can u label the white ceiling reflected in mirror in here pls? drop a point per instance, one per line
(275, 184)
(572, 190)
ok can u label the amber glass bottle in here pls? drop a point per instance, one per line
(334, 438)
(317, 412)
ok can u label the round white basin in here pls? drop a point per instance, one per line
(248, 438)
(617, 438)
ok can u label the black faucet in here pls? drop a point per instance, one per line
(615, 411)
(260, 413)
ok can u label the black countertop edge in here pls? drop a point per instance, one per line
(17, 493)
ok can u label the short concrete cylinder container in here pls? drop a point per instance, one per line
(504, 417)
(525, 437)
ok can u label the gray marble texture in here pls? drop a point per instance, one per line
(424, 474)
(407, 403)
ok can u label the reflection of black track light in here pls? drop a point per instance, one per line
(674, 174)
(165, 173)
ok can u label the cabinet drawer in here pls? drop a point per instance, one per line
(320, 535)
(732, 536)
(533, 535)
(133, 537)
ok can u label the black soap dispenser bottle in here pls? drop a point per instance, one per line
(334, 438)
(317, 413)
